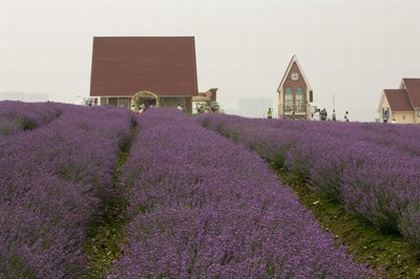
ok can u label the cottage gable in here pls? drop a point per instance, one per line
(294, 78)
(412, 85)
(294, 92)
(398, 99)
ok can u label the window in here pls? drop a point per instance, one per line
(288, 100)
(124, 102)
(113, 101)
(300, 100)
(385, 113)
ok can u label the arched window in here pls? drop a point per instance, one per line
(288, 100)
(300, 100)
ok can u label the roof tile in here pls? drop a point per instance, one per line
(122, 66)
(398, 99)
(413, 88)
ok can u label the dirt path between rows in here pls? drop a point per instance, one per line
(106, 234)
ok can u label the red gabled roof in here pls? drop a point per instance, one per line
(398, 99)
(122, 66)
(413, 88)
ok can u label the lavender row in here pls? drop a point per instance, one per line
(373, 169)
(18, 116)
(203, 207)
(52, 181)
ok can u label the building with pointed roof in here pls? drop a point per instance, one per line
(159, 70)
(294, 93)
(401, 105)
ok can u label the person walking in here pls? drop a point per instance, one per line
(324, 114)
(346, 117)
(270, 113)
(141, 109)
(333, 116)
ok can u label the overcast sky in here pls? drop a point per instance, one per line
(351, 49)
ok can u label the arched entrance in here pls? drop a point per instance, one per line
(144, 97)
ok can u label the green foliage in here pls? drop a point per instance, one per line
(27, 124)
(226, 132)
(278, 160)
(106, 233)
(386, 252)
(16, 123)
(124, 143)
(280, 157)
(17, 266)
(5, 129)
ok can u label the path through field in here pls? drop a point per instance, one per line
(106, 233)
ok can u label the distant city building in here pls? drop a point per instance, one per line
(254, 107)
(12, 96)
(23, 97)
(294, 93)
(401, 105)
(36, 97)
(158, 71)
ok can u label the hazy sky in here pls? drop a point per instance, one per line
(350, 48)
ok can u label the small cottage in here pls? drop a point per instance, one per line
(158, 71)
(294, 93)
(401, 105)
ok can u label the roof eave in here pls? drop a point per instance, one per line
(283, 80)
(404, 86)
(381, 100)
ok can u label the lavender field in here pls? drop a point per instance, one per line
(52, 181)
(17, 116)
(202, 206)
(196, 204)
(372, 169)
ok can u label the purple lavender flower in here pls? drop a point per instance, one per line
(373, 169)
(202, 206)
(17, 116)
(52, 180)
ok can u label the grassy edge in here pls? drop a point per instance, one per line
(389, 255)
(106, 234)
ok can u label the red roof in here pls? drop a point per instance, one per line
(413, 88)
(122, 66)
(398, 99)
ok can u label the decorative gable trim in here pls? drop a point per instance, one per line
(294, 59)
(381, 101)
